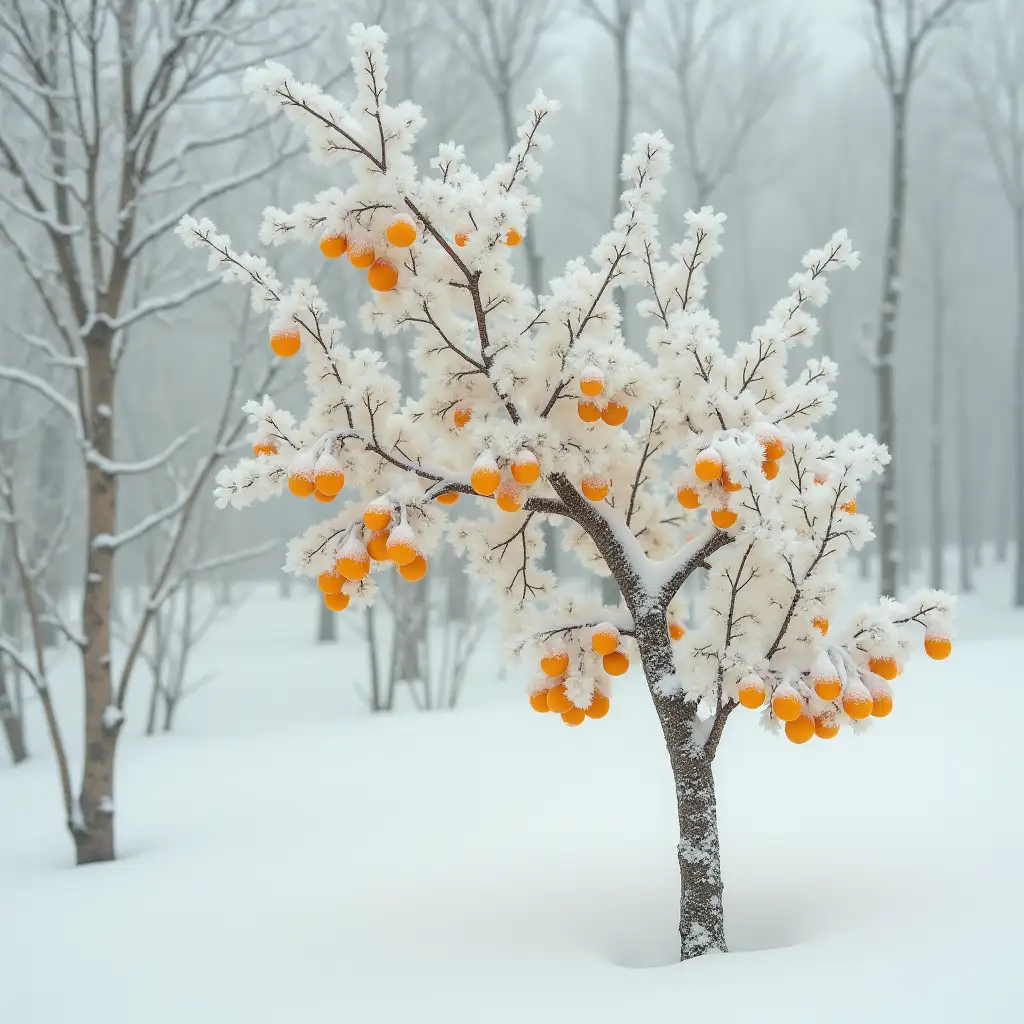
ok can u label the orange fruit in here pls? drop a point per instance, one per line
(850, 506)
(461, 238)
(821, 624)
(402, 547)
(591, 382)
(447, 498)
(558, 699)
(787, 704)
(605, 638)
(857, 704)
(588, 411)
(881, 703)
(353, 563)
(377, 546)
(336, 602)
(300, 486)
(616, 663)
(708, 466)
(415, 570)
(676, 630)
(509, 497)
(382, 275)
(333, 246)
(285, 343)
(360, 254)
(751, 692)
(525, 467)
(771, 443)
(485, 478)
(462, 415)
(264, 448)
(723, 518)
(800, 730)
(615, 414)
(574, 716)
(328, 476)
(937, 647)
(554, 663)
(688, 497)
(828, 688)
(322, 497)
(377, 517)
(770, 468)
(513, 237)
(598, 706)
(826, 726)
(401, 233)
(729, 484)
(329, 582)
(595, 487)
(539, 701)
(884, 667)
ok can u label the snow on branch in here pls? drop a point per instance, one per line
(47, 390)
(114, 468)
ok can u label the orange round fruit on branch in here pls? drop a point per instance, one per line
(513, 237)
(881, 703)
(616, 663)
(850, 506)
(588, 411)
(539, 701)
(595, 487)
(328, 476)
(285, 343)
(509, 496)
(377, 516)
(322, 497)
(402, 545)
(415, 570)
(800, 730)
(574, 716)
(599, 705)
(329, 582)
(382, 275)
(729, 484)
(884, 667)
(828, 687)
(461, 238)
(723, 518)
(525, 467)
(486, 477)
(591, 382)
(337, 602)
(615, 414)
(751, 692)
(360, 254)
(264, 448)
(857, 703)
(333, 246)
(688, 497)
(708, 466)
(937, 647)
(554, 663)
(447, 497)
(353, 562)
(605, 638)
(558, 699)
(786, 704)
(826, 726)
(401, 233)
(770, 469)
(676, 630)
(377, 546)
(462, 414)
(820, 624)
(301, 486)
(771, 443)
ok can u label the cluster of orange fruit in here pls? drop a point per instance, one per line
(384, 543)
(591, 383)
(509, 492)
(858, 701)
(325, 483)
(512, 237)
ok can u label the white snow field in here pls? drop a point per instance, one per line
(288, 857)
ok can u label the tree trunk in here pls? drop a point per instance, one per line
(371, 647)
(1018, 407)
(93, 829)
(936, 436)
(701, 912)
(11, 721)
(327, 626)
(888, 547)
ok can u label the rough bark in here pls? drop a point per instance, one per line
(94, 831)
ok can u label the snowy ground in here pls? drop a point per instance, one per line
(287, 857)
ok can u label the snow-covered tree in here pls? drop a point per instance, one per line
(695, 460)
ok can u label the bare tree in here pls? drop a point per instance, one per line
(901, 31)
(102, 148)
(993, 69)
